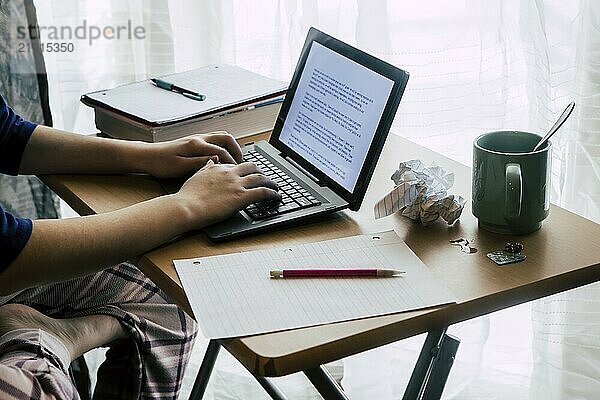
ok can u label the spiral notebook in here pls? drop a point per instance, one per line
(232, 295)
(226, 88)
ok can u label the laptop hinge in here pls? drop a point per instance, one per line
(304, 171)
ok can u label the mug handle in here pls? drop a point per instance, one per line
(513, 194)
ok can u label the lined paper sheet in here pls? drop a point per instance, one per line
(232, 295)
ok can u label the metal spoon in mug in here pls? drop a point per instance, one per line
(561, 120)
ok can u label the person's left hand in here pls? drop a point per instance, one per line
(187, 155)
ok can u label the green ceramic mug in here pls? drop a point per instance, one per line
(511, 183)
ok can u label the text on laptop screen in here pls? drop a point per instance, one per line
(334, 114)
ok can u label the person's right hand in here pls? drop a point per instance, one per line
(218, 190)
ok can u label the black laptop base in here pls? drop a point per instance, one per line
(242, 223)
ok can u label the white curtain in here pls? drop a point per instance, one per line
(475, 66)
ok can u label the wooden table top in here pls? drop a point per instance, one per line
(564, 254)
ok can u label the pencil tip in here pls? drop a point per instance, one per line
(390, 272)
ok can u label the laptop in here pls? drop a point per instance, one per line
(327, 137)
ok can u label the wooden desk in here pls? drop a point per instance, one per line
(564, 254)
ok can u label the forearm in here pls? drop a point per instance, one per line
(51, 151)
(59, 250)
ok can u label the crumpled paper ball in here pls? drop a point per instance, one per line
(421, 194)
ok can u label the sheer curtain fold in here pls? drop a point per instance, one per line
(566, 326)
(103, 63)
(475, 66)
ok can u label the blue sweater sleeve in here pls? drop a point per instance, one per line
(14, 135)
(14, 234)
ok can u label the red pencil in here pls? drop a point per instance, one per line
(331, 273)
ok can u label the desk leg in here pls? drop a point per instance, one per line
(270, 388)
(433, 366)
(208, 363)
(210, 357)
(325, 384)
(426, 382)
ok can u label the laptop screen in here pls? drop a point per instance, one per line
(334, 114)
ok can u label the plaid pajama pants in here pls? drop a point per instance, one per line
(150, 365)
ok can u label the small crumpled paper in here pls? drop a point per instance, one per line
(421, 194)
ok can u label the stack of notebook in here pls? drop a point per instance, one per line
(238, 101)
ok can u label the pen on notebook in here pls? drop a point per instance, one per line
(339, 272)
(190, 94)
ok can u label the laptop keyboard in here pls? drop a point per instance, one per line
(293, 196)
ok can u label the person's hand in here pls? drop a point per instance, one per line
(185, 156)
(217, 191)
